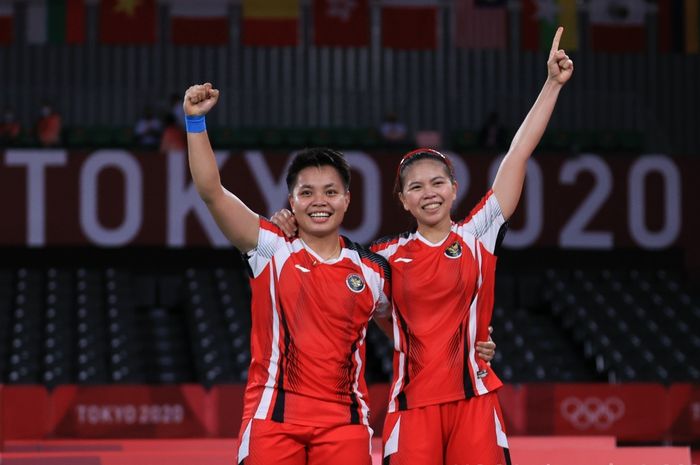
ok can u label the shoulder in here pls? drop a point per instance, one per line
(388, 241)
(368, 256)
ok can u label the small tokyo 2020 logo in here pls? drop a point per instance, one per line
(592, 412)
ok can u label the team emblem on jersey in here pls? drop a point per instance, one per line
(355, 283)
(454, 250)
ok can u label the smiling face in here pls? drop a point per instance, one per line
(319, 201)
(428, 192)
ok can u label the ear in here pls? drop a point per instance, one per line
(455, 186)
(290, 198)
(347, 201)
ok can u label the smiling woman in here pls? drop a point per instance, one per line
(312, 299)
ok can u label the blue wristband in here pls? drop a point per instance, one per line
(195, 123)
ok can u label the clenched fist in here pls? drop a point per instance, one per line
(199, 99)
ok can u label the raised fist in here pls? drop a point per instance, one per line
(199, 99)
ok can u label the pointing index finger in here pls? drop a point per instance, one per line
(557, 38)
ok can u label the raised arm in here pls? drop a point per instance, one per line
(511, 174)
(238, 222)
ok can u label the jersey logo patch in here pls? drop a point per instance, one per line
(302, 268)
(482, 374)
(355, 283)
(454, 250)
(403, 260)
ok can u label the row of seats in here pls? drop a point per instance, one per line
(634, 325)
(121, 325)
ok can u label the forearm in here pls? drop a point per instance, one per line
(205, 171)
(531, 130)
(511, 174)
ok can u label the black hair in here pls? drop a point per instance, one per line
(421, 154)
(318, 156)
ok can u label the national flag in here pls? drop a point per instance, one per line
(204, 22)
(127, 21)
(56, 22)
(6, 19)
(679, 26)
(481, 24)
(540, 20)
(270, 23)
(409, 24)
(618, 25)
(341, 23)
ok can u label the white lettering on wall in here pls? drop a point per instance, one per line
(133, 197)
(36, 162)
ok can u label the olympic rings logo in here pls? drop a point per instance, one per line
(592, 411)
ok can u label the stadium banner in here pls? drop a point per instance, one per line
(130, 411)
(622, 410)
(684, 412)
(228, 399)
(24, 411)
(115, 198)
(631, 412)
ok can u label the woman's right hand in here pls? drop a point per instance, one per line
(285, 220)
(199, 99)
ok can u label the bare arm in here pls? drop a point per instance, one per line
(238, 222)
(511, 174)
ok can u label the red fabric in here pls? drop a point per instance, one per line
(335, 26)
(436, 361)
(307, 354)
(409, 28)
(75, 21)
(268, 442)
(270, 32)
(6, 30)
(461, 432)
(122, 25)
(49, 130)
(173, 138)
(199, 31)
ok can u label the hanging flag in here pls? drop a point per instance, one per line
(199, 23)
(481, 24)
(679, 26)
(56, 22)
(341, 23)
(540, 20)
(127, 21)
(409, 24)
(270, 23)
(618, 25)
(6, 16)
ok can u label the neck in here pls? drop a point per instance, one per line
(327, 247)
(436, 232)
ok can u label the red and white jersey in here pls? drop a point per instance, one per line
(309, 321)
(442, 304)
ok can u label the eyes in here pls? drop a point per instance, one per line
(439, 182)
(306, 193)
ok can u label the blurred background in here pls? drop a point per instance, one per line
(123, 312)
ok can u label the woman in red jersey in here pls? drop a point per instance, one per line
(306, 397)
(443, 407)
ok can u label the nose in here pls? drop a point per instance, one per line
(319, 199)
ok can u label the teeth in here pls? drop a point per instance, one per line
(319, 215)
(431, 206)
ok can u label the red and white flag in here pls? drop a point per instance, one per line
(204, 22)
(341, 23)
(618, 25)
(481, 24)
